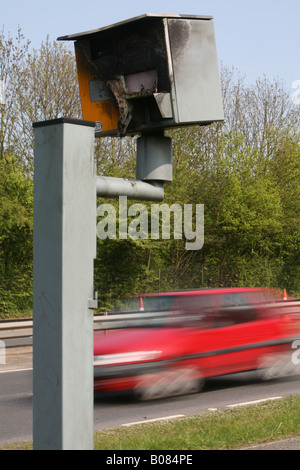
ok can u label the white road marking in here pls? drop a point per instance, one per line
(254, 402)
(166, 418)
(14, 370)
(235, 405)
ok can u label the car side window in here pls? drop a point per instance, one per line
(195, 311)
(235, 309)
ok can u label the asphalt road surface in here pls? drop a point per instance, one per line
(111, 412)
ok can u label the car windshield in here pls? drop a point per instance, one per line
(170, 310)
(144, 304)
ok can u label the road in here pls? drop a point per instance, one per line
(110, 412)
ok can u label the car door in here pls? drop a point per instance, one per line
(224, 336)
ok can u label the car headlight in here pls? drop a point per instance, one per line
(123, 358)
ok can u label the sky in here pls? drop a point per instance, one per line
(256, 37)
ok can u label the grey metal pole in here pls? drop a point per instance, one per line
(143, 191)
(64, 250)
(153, 169)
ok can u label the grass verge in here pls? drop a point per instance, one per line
(227, 429)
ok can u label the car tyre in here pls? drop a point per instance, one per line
(169, 383)
(277, 366)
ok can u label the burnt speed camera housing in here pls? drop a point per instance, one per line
(148, 74)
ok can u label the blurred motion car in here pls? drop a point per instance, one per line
(183, 338)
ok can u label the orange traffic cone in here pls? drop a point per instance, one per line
(141, 305)
(284, 295)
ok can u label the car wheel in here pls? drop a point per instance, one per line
(169, 383)
(277, 366)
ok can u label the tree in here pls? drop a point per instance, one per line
(51, 91)
(285, 169)
(13, 53)
(16, 233)
(234, 170)
(245, 171)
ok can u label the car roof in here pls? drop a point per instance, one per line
(195, 292)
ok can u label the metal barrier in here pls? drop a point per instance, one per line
(23, 329)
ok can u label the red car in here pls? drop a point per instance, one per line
(185, 337)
